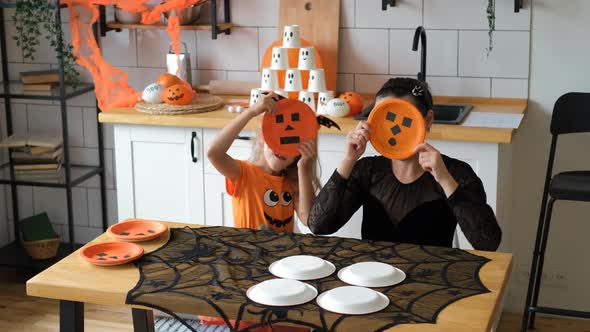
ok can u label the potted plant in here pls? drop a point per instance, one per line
(36, 18)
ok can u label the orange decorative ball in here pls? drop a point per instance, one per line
(168, 80)
(178, 94)
(354, 100)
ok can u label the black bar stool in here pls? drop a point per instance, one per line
(571, 114)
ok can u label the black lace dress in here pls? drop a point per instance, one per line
(417, 212)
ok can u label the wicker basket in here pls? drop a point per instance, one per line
(42, 249)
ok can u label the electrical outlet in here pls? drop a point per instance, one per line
(551, 277)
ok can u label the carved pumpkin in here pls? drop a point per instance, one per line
(168, 80)
(354, 100)
(178, 94)
(396, 128)
(292, 123)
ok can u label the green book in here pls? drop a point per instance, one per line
(37, 227)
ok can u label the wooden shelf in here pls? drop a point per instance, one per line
(161, 26)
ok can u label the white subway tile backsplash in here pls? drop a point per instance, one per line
(255, 13)
(206, 76)
(94, 208)
(442, 52)
(108, 136)
(86, 234)
(87, 100)
(508, 59)
(507, 19)
(122, 48)
(456, 14)
(44, 118)
(248, 76)
(90, 118)
(402, 60)
(80, 206)
(19, 118)
(139, 78)
(52, 201)
(344, 82)
(369, 83)
(75, 126)
(459, 86)
(266, 36)
(363, 51)
(153, 45)
(406, 14)
(13, 52)
(510, 88)
(347, 13)
(238, 51)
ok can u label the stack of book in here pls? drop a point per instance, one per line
(39, 81)
(35, 156)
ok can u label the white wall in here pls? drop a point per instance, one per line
(560, 50)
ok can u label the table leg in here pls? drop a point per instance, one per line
(143, 320)
(71, 316)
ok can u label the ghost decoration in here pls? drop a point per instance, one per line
(270, 80)
(317, 81)
(338, 108)
(152, 94)
(323, 99)
(293, 80)
(279, 58)
(291, 37)
(308, 98)
(306, 58)
(255, 95)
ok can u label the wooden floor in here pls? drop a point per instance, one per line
(20, 313)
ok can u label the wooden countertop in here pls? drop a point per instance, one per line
(73, 279)
(219, 118)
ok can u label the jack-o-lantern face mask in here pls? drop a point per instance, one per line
(292, 123)
(397, 127)
(278, 208)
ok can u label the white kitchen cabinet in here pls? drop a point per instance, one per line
(218, 205)
(160, 173)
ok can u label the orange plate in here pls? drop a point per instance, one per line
(292, 123)
(396, 128)
(136, 230)
(111, 253)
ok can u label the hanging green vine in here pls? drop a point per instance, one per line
(491, 14)
(30, 17)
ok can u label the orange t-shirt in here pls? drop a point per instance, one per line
(261, 200)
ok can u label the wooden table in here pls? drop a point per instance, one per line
(75, 282)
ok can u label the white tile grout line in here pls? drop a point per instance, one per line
(458, 50)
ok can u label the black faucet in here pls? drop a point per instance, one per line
(420, 34)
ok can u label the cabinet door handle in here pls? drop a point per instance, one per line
(193, 139)
(244, 138)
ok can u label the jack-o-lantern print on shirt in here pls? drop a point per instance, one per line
(278, 208)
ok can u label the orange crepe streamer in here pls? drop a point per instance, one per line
(112, 87)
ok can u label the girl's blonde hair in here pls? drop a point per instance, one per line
(290, 172)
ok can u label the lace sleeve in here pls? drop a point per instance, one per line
(473, 214)
(338, 200)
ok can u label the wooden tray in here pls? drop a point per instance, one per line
(201, 103)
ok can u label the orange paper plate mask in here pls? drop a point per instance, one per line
(397, 127)
(292, 123)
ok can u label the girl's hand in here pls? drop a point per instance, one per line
(308, 152)
(356, 142)
(432, 162)
(266, 103)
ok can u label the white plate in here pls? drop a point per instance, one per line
(281, 292)
(371, 274)
(353, 300)
(302, 267)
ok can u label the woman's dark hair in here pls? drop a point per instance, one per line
(404, 86)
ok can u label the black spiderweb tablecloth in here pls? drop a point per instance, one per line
(208, 270)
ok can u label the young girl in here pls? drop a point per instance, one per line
(266, 192)
(418, 200)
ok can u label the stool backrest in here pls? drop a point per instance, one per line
(571, 114)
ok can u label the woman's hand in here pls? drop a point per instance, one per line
(266, 103)
(308, 152)
(356, 144)
(432, 162)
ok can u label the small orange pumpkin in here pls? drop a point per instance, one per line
(178, 94)
(354, 100)
(167, 80)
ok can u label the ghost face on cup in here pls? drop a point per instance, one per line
(308, 98)
(306, 58)
(323, 99)
(254, 96)
(293, 80)
(279, 58)
(291, 37)
(317, 82)
(269, 79)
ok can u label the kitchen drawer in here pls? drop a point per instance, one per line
(240, 149)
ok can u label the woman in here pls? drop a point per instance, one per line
(419, 200)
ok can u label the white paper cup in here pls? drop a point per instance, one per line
(282, 93)
(255, 95)
(270, 79)
(323, 99)
(317, 80)
(293, 80)
(291, 36)
(308, 98)
(306, 58)
(280, 58)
